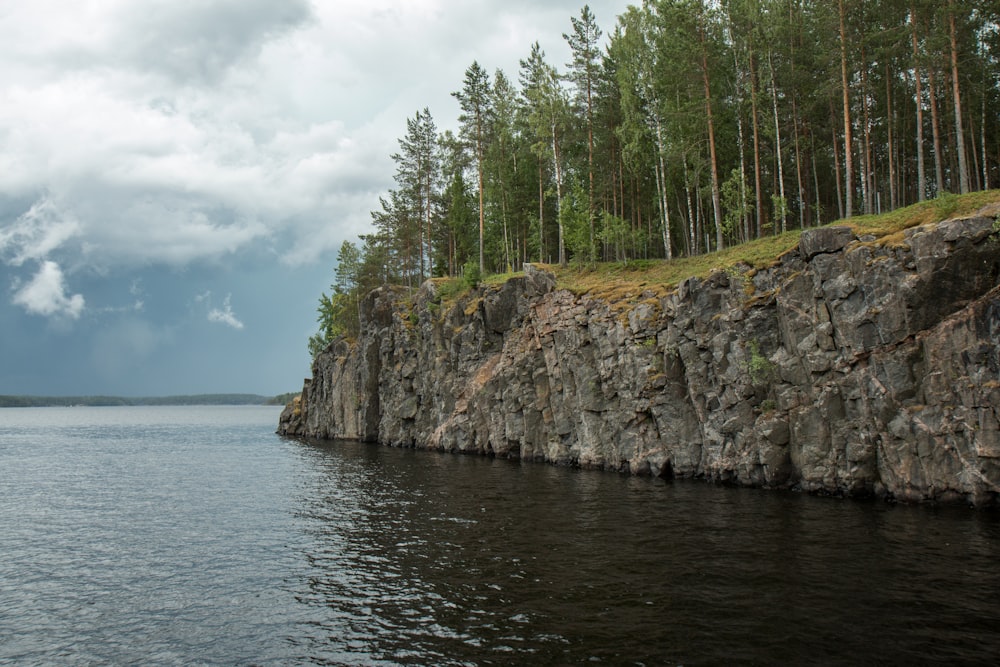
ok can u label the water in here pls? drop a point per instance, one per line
(169, 536)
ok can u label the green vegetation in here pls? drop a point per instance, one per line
(760, 368)
(626, 283)
(703, 133)
(616, 281)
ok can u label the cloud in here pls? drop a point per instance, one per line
(187, 41)
(45, 294)
(225, 315)
(36, 233)
(181, 131)
(195, 41)
(135, 289)
(188, 141)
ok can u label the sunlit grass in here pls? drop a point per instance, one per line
(631, 281)
(625, 283)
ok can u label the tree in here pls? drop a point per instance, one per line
(459, 217)
(339, 313)
(703, 21)
(474, 99)
(583, 72)
(746, 24)
(848, 148)
(418, 167)
(502, 158)
(629, 147)
(919, 99)
(548, 108)
(641, 102)
(963, 168)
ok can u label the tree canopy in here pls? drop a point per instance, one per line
(685, 127)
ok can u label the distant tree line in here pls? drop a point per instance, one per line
(106, 401)
(695, 125)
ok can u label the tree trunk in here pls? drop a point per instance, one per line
(506, 241)
(921, 175)
(692, 223)
(430, 244)
(741, 145)
(982, 134)
(590, 168)
(716, 197)
(889, 125)
(974, 172)
(935, 132)
(558, 172)
(848, 148)
(798, 165)
(541, 213)
(836, 160)
(758, 190)
(663, 192)
(482, 209)
(795, 127)
(777, 134)
(867, 168)
(963, 167)
(812, 151)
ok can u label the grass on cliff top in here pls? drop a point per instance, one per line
(639, 280)
(642, 279)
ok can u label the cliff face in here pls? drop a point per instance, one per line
(850, 367)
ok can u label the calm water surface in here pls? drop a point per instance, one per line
(169, 536)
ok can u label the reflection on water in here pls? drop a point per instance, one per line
(435, 558)
(180, 536)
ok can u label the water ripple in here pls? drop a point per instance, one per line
(195, 536)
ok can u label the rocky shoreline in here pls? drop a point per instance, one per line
(850, 367)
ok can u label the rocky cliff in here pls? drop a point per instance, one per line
(851, 366)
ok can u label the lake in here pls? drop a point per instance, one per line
(194, 535)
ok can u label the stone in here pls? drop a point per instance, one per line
(866, 370)
(824, 240)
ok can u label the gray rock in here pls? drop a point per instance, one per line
(864, 370)
(824, 240)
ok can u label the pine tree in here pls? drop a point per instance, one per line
(583, 72)
(418, 166)
(474, 99)
(548, 113)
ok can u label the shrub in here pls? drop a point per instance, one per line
(472, 275)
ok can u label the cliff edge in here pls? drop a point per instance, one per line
(849, 367)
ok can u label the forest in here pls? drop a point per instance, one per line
(117, 401)
(685, 127)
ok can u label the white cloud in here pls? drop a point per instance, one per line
(36, 233)
(180, 131)
(135, 289)
(45, 294)
(171, 139)
(225, 315)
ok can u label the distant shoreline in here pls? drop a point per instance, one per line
(14, 401)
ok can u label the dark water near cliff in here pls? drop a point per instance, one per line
(195, 536)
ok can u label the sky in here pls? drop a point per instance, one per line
(177, 176)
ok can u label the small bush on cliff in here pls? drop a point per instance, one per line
(471, 275)
(946, 204)
(449, 288)
(760, 368)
